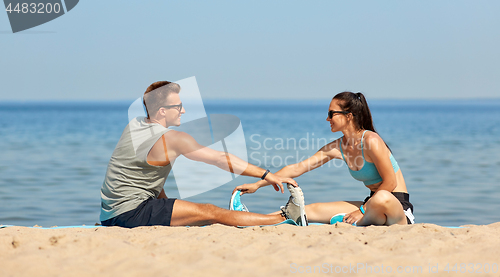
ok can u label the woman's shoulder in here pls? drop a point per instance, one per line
(372, 137)
(334, 144)
(373, 141)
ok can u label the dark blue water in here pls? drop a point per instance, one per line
(54, 157)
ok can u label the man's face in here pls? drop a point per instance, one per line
(172, 115)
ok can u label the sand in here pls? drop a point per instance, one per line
(284, 250)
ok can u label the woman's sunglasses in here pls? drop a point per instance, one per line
(331, 113)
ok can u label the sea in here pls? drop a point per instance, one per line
(54, 157)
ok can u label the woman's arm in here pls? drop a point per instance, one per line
(378, 152)
(325, 154)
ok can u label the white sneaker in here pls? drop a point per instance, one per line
(295, 207)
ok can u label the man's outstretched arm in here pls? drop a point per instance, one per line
(180, 143)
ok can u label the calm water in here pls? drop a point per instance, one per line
(54, 157)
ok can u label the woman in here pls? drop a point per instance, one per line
(369, 160)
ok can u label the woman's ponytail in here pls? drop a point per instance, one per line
(365, 118)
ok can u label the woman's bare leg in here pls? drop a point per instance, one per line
(383, 208)
(323, 212)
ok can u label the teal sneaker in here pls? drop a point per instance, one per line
(235, 203)
(339, 218)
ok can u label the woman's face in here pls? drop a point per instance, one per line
(338, 121)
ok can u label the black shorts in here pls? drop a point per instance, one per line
(404, 198)
(148, 213)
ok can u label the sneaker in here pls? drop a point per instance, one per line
(235, 203)
(339, 218)
(295, 208)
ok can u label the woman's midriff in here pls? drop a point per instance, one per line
(400, 184)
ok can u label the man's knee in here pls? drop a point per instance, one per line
(209, 211)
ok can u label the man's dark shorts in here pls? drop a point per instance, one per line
(148, 213)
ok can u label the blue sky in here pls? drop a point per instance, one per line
(112, 50)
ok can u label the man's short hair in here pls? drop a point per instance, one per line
(156, 95)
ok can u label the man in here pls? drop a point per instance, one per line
(132, 192)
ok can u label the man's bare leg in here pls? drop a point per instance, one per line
(193, 214)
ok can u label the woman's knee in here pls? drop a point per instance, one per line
(385, 203)
(381, 199)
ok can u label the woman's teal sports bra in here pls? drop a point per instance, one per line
(368, 174)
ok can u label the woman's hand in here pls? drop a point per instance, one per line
(353, 217)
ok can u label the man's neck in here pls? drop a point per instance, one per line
(154, 120)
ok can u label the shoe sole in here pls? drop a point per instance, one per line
(303, 217)
(232, 200)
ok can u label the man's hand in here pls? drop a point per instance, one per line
(247, 188)
(275, 180)
(350, 218)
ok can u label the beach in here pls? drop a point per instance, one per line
(287, 87)
(283, 250)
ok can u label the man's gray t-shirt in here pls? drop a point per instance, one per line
(130, 180)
